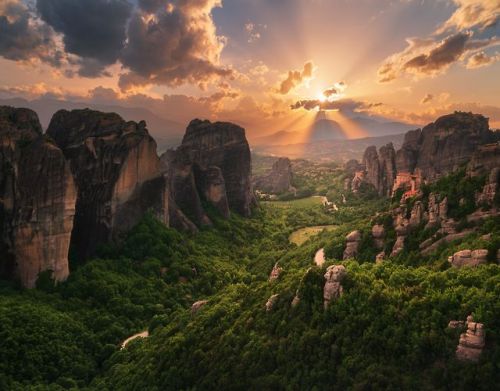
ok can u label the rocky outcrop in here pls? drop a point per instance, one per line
(380, 168)
(490, 189)
(378, 234)
(224, 145)
(484, 159)
(212, 165)
(402, 227)
(275, 273)
(417, 214)
(352, 244)
(333, 286)
(468, 258)
(471, 343)
(271, 302)
(437, 210)
(117, 174)
(278, 180)
(37, 200)
(444, 145)
(197, 305)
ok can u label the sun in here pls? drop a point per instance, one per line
(321, 97)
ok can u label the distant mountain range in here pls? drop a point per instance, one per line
(328, 150)
(167, 133)
(324, 129)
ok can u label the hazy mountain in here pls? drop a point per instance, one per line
(167, 133)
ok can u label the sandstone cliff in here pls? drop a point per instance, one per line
(438, 149)
(117, 174)
(212, 165)
(37, 200)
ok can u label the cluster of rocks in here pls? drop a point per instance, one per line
(468, 258)
(333, 285)
(472, 341)
(278, 180)
(93, 176)
(271, 302)
(275, 273)
(352, 244)
(438, 149)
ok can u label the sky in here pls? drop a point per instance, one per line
(268, 65)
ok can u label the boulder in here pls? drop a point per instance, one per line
(37, 200)
(271, 302)
(117, 174)
(417, 214)
(197, 306)
(333, 286)
(352, 244)
(378, 234)
(456, 324)
(278, 180)
(275, 273)
(468, 258)
(380, 257)
(471, 343)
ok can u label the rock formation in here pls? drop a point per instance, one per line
(197, 306)
(352, 244)
(490, 189)
(333, 286)
(426, 154)
(437, 210)
(378, 234)
(275, 273)
(278, 180)
(380, 168)
(444, 145)
(484, 159)
(471, 342)
(468, 258)
(271, 302)
(37, 200)
(117, 174)
(212, 165)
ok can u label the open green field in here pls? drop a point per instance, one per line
(303, 234)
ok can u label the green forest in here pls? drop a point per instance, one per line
(388, 331)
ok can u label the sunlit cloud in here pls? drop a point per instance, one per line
(297, 78)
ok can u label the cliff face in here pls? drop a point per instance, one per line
(278, 180)
(37, 200)
(213, 165)
(380, 168)
(426, 154)
(117, 173)
(444, 145)
(224, 145)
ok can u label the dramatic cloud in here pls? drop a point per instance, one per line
(471, 29)
(296, 78)
(473, 13)
(174, 45)
(481, 59)
(427, 98)
(342, 104)
(22, 38)
(444, 54)
(92, 29)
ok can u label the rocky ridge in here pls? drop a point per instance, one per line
(36, 210)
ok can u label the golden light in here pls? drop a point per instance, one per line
(321, 97)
